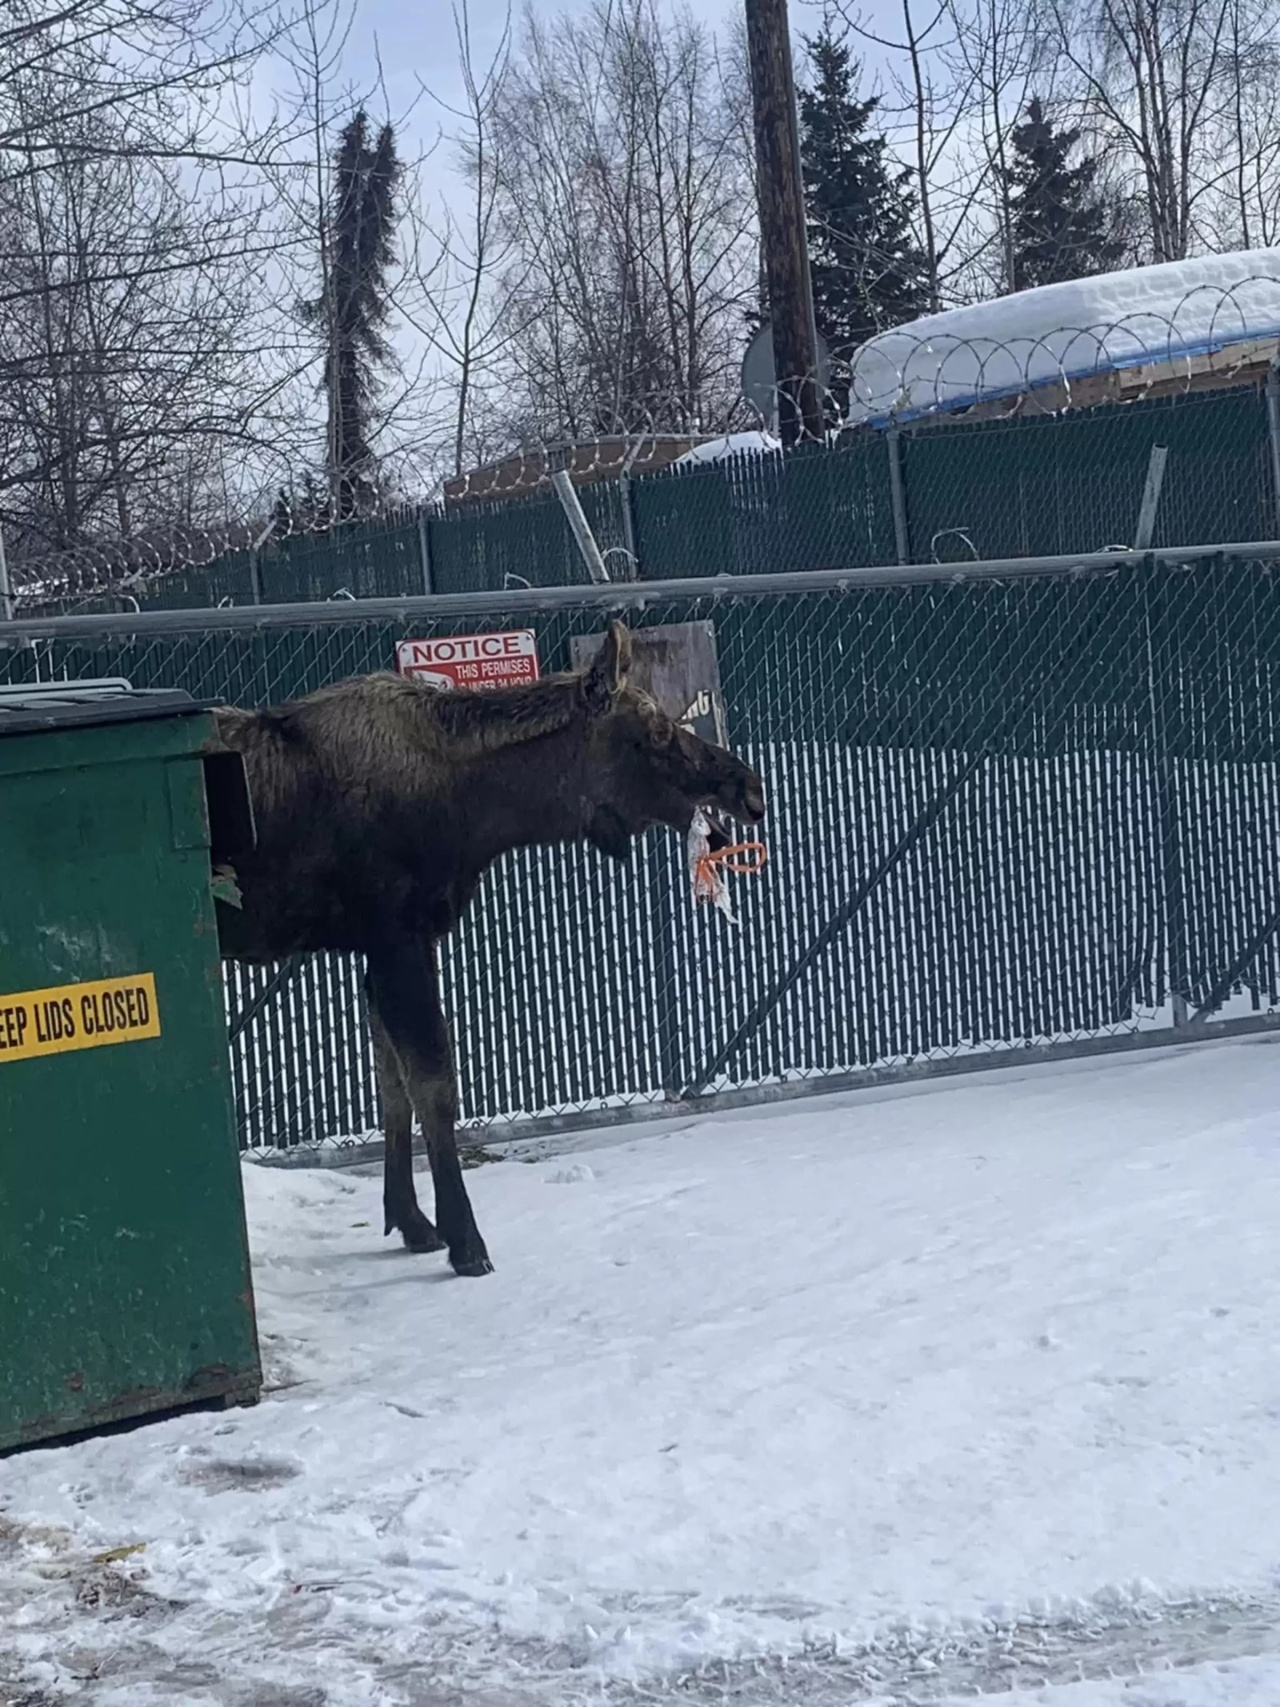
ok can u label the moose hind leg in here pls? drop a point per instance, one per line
(404, 989)
(400, 1208)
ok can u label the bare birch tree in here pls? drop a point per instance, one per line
(124, 393)
(140, 350)
(1001, 59)
(469, 299)
(625, 199)
(1248, 216)
(1184, 93)
(933, 108)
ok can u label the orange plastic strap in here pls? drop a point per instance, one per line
(726, 859)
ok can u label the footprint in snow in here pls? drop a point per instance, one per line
(572, 1176)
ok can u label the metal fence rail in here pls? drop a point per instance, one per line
(1034, 803)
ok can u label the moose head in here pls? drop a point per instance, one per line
(645, 769)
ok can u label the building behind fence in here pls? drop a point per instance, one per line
(1024, 808)
(1038, 485)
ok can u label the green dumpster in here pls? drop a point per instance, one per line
(124, 1264)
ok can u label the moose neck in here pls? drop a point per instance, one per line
(529, 794)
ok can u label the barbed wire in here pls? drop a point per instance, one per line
(985, 362)
(981, 356)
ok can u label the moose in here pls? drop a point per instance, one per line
(379, 804)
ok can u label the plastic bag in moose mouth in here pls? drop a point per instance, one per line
(706, 869)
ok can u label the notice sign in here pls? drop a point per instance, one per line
(471, 660)
(78, 1016)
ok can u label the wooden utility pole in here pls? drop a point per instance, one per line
(783, 236)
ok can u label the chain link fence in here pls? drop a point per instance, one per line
(1046, 485)
(1037, 804)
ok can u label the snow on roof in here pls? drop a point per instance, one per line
(732, 444)
(1058, 332)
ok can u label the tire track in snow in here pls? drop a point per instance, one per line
(1029, 1654)
(90, 1629)
(484, 1671)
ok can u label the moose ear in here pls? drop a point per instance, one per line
(608, 673)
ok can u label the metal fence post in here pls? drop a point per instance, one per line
(6, 585)
(1162, 685)
(627, 499)
(424, 551)
(1151, 498)
(1273, 437)
(255, 565)
(666, 959)
(898, 496)
(579, 526)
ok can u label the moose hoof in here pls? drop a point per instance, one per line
(471, 1267)
(422, 1240)
(418, 1234)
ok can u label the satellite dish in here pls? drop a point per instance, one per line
(760, 378)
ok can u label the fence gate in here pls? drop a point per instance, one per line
(1019, 805)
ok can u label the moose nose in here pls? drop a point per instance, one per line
(743, 797)
(753, 799)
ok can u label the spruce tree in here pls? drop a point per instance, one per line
(1060, 226)
(868, 271)
(354, 305)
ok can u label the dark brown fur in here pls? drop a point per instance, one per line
(380, 804)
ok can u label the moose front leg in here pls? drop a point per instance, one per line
(404, 990)
(400, 1208)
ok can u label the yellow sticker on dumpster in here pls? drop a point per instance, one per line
(78, 1016)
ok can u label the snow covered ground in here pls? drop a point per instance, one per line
(896, 1397)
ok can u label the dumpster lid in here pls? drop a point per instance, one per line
(31, 706)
